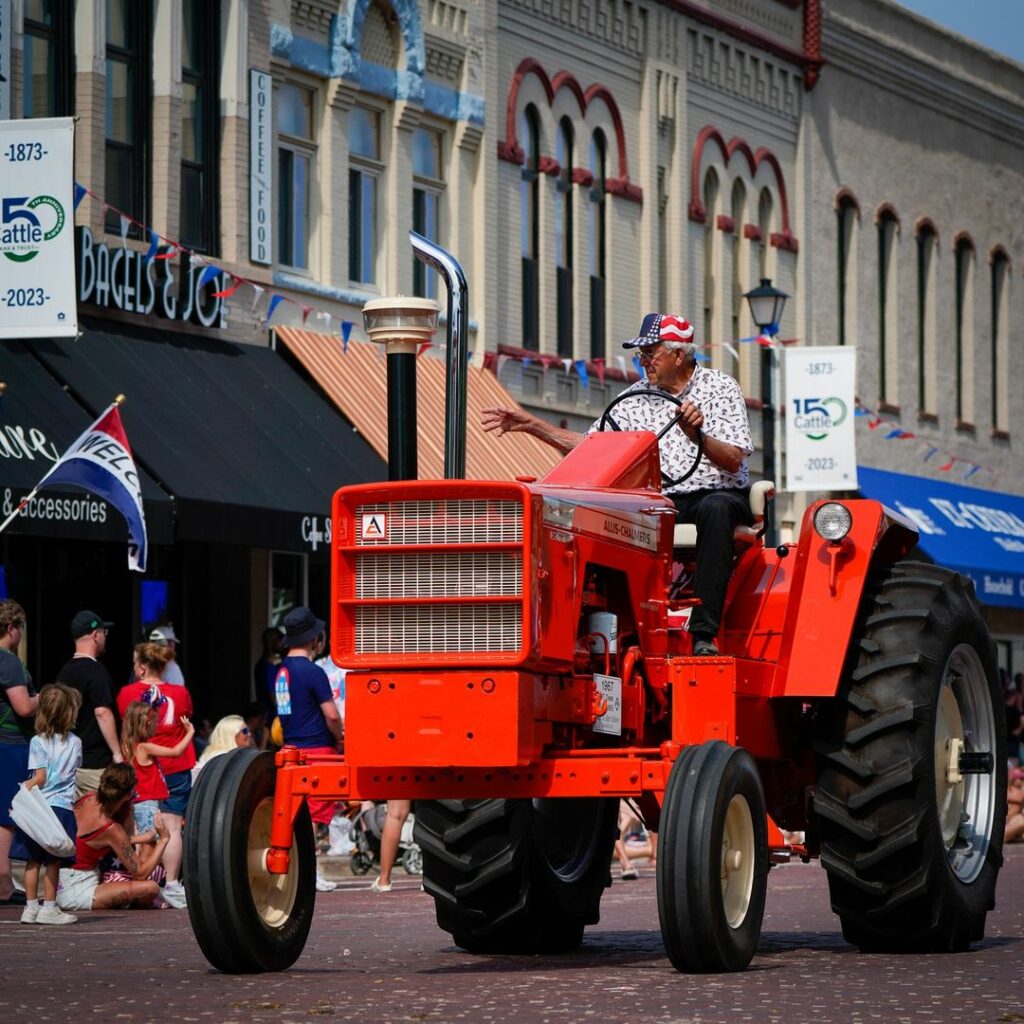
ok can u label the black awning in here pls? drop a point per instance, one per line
(249, 451)
(38, 421)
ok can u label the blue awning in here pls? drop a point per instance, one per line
(979, 533)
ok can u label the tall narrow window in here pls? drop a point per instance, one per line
(711, 215)
(846, 220)
(1000, 340)
(48, 82)
(888, 338)
(739, 278)
(529, 226)
(764, 224)
(564, 239)
(295, 165)
(598, 163)
(426, 203)
(363, 194)
(964, 270)
(200, 68)
(127, 111)
(926, 251)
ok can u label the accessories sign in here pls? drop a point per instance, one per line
(37, 253)
(821, 448)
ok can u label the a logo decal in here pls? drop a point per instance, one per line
(22, 234)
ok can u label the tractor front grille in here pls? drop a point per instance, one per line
(463, 594)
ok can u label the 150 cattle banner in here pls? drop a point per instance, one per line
(821, 446)
(37, 252)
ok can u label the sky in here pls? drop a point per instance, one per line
(997, 24)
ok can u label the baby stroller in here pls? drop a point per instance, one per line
(367, 826)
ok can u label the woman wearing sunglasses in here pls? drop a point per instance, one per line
(228, 734)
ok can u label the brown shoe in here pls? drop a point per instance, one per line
(704, 648)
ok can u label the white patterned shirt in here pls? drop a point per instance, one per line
(719, 398)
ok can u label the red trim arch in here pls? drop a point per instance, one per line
(999, 252)
(925, 222)
(846, 193)
(963, 236)
(509, 148)
(696, 211)
(888, 208)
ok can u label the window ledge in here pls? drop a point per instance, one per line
(927, 417)
(1000, 435)
(889, 408)
(963, 427)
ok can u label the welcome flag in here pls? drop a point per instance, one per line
(101, 462)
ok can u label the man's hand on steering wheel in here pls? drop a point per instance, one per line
(690, 419)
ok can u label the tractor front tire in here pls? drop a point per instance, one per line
(245, 919)
(911, 789)
(712, 859)
(516, 876)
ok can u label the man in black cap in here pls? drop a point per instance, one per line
(97, 722)
(305, 704)
(717, 495)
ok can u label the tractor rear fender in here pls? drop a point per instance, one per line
(827, 585)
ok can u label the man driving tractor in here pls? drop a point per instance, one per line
(716, 495)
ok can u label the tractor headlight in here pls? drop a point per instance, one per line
(832, 521)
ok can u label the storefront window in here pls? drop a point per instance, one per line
(288, 575)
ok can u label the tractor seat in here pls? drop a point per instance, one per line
(763, 491)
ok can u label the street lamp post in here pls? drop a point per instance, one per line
(766, 306)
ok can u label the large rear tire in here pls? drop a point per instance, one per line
(712, 859)
(912, 850)
(516, 876)
(245, 919)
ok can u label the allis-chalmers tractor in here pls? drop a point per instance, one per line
(518, 663)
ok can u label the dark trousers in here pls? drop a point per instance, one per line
(716, 514)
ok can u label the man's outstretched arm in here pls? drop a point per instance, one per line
(504, 420)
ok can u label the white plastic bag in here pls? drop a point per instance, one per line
(34, 816)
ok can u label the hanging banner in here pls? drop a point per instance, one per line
(37, 251)
(821, 444)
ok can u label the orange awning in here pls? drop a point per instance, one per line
(356, 381)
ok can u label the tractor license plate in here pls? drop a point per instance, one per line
(609, 688)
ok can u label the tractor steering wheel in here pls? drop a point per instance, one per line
(607, 421)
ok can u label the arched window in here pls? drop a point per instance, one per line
(927, 244)
(529, 225)
(888, 320)
(739, 276)
(711, 216)
(564, 237)
(598, 207)
(846, 224)
(1000, 340)
(964, 270)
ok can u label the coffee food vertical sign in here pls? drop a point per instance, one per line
(261, 129)
(37, 251)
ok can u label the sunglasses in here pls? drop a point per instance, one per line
(244, 732)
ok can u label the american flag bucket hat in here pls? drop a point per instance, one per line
(659, 327)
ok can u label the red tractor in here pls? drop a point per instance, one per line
(518, 662)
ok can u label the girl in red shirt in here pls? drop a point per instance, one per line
(170, 702)
(139, 750)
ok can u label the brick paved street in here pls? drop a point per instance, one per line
(377, 958)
